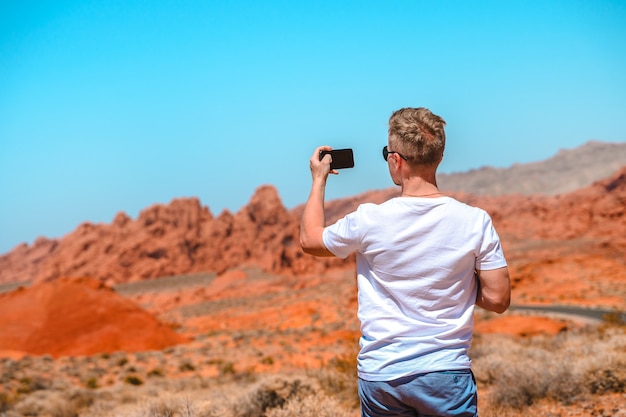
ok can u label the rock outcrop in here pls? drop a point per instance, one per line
(178, 238)
(184, 237)
(596, 211)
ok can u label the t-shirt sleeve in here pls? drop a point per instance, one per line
(342, 238)
(490, 255)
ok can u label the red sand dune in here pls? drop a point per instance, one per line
(81, 316)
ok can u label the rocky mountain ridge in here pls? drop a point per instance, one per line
(180, 237)
(568, 170)
(184, 237)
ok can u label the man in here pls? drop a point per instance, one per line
(423, 261)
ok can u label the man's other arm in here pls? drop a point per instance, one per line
(494, 290)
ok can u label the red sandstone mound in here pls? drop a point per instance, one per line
(81, 316)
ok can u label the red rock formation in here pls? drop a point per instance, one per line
(595, 211)
(77, 317)
(184, 237)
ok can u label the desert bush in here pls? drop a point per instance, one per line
(133, 380)
(227, 368)
(81, 398)
(53, 403)
(498, 410)
(29, 384)
(338, 379)
(91, 383)
(267, 360)
(171, 407)
(161, 410)
(5, 401)
(271, 392)
(615, 318)
(187, 409)
(564, 368)
(156, 372)
(602, 381)
(30, 406)
(314, 405)
(186, 366)
(62, 409)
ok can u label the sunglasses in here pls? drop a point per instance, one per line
(386, 153)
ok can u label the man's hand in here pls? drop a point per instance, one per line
(321, 168)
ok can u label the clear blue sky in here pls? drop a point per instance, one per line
(109, 106)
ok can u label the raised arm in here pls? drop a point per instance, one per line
(313, 217)
(494, 290)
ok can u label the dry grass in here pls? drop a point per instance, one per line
(73, 387)
(575, 370)
(567, 369)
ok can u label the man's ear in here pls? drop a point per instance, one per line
(395, 159)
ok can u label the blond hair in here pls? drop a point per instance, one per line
(418, 135)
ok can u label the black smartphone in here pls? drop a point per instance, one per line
(341, 158)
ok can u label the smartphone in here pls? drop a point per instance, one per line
(341, 158)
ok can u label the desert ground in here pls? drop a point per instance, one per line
(269, 332)
(257, 344)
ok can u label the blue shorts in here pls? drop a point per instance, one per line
(445, 393)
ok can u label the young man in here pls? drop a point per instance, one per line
(423, 261)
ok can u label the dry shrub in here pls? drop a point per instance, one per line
(161, 410)
(339, 379)
(54, 403)
(528, 381)
(166, 404)
(30, 406)
(171, 407)
(272, 392)
(565, 368)
(133, 380)
(603, 381)
(6, 403)
(62, 409)
(498, 410)
(29, 384)
(314, 405)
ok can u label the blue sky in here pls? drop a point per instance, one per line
(109, 106)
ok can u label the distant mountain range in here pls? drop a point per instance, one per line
(568, 170)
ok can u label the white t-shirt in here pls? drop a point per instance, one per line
(416, 259)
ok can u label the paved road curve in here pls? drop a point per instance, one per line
(599, 314)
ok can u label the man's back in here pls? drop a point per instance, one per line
(416, 259)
